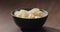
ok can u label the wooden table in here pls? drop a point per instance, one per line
(52, 6)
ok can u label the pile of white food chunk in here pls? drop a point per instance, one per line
(33, 13)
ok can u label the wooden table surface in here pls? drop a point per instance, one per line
(52, 6)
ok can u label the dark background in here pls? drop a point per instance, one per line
(52, 6)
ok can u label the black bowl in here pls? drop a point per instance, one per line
(29, 24)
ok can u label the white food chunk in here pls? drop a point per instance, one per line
(21, 13)
(37, 17)
(34, 10)
(31, 16)
(17, 13)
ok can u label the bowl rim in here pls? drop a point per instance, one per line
(29, 18)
